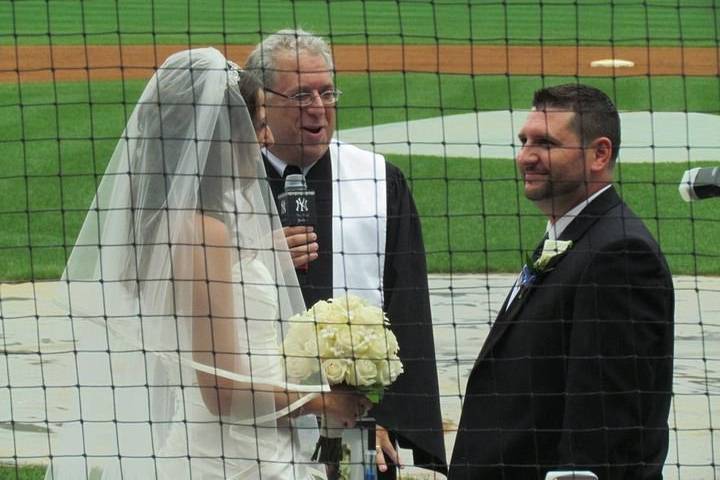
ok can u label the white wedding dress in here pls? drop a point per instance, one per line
(239, 450)
(116, 441)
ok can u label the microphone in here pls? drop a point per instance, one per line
(297, 203)
(700, 183)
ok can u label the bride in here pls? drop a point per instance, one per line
(179, 289)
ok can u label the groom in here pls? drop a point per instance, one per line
(576, 373)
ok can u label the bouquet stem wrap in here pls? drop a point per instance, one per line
(328, 449)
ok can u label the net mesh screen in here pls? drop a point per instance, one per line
(441, 89)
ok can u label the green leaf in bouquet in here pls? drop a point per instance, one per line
(374, 394)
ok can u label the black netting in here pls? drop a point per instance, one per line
(441, 89)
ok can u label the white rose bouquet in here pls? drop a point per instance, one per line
(348, 341)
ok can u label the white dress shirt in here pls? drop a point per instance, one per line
(554, 230)
(279, 164)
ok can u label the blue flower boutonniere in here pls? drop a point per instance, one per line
(552, 251)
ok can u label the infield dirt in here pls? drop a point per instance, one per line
(111, 62)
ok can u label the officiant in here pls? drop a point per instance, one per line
(367, 237)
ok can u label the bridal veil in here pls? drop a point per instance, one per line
(131, 292)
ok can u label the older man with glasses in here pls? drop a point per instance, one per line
(367, 239)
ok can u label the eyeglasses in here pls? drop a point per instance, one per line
(305, 99)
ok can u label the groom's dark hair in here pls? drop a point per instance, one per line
(595, 114)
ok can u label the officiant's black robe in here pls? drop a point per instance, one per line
(410, 408)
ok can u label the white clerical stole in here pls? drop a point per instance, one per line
(359, 221)
(359, 227)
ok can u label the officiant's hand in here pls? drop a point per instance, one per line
(302, 241)
(385, 450)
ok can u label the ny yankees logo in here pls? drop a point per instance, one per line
(301, 205)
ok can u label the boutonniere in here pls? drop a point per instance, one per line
(552, 251)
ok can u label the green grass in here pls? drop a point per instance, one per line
(585, 22)
(476, 219)
(22, 473)
(56, 139)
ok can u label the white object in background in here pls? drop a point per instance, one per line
(571, 475)
(612, 63)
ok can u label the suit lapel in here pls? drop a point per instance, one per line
(574, 231)
(507, 313)
(590, 214)
(505, 318)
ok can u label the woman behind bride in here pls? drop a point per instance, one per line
(179, 290)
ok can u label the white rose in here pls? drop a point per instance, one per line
(300, 368)
(300, 318)
(389, 370)
(368, 315)
(377, 344)
(343, 341)
(362, 374)
(301, 340)
(396, 368)
(383, 368)
(325, 313)
(360, 337)
(349, 303)
(335, 342)
(326, 343)
(335, 370)
(392, 343)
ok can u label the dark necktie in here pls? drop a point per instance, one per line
(292, 170)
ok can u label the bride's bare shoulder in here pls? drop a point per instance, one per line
(212, 230)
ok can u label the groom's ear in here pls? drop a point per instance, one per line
(600, 151)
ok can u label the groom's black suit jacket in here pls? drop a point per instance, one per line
(576, 373)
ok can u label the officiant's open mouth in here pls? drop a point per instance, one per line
(314, 134)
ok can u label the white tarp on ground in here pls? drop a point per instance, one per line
(37, 370)
(647, 137)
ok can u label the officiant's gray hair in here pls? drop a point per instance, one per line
(262, 62)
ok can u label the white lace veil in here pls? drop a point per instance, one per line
(189, 152)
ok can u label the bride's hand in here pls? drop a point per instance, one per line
(345, 406)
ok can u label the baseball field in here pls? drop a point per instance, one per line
(71, 71)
